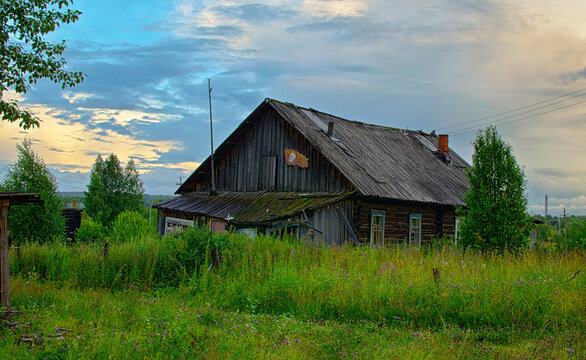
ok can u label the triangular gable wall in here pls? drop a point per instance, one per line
(253, 155)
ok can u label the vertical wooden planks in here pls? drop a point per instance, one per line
(4, 256)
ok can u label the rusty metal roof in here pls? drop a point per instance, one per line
(251, 207)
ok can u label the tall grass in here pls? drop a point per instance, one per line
(393, 287)
(396, 285)
(148, 261)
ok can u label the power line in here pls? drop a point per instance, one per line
(567, 97)
(474, 128)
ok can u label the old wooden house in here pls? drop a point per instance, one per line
(289, 169)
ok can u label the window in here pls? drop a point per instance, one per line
(377, 228)
(174, 225)
(414, 229)
(248, 232)
(291, 230)
(456, 230)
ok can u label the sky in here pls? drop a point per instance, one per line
(454, 66)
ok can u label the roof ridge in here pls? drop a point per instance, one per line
(383, 127)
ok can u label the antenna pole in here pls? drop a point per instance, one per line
(213, 192)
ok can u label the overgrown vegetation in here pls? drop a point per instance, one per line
(280, 299)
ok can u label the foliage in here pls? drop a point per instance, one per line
(576, 233)
(25, 54)
(130, 225)
(496, 204)
(112, 189)
(278, 299)
(150, 260)
(135, 323)
(199, 242)
(90, 230)
(30, 175)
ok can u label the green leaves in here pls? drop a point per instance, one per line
(496, 216)
(30, 174)
(26, 57)
(112, 189)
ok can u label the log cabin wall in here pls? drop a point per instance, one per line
(256, 161)
(436, 220)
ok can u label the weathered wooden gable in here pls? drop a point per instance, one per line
(253, 159)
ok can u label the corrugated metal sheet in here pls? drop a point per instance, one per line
(250, 207)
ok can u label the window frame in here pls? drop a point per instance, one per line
(373, 214)
(411, 217)
(177, 225)
(250, 232)
(456, 229)
(280, 230)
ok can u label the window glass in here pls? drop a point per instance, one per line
(174, 225)
(456, 230)
(377, 228)
(415, 229)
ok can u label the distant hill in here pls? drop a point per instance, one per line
(78, 195)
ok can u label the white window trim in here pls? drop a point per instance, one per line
(177, 221)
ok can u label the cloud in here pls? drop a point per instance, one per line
(125, 117)
(72, 146)
(75, 97)
(405, 64)
(573, 76)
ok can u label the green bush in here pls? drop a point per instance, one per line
(148, 260)
(90, 230)
(130, 225)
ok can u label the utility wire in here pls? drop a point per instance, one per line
(474, 128)
(575, 94)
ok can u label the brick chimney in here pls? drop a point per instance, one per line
(442, 143)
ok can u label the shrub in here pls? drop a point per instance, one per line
(90, 230)
(130, 225)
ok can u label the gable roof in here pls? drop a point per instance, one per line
(379, 161)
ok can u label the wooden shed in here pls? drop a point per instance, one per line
(297, 170)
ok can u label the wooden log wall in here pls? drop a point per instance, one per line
(256, 161)
(436, 221)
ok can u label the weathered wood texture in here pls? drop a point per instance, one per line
(255, 161)
(163, 215)
(4, 262)
(72, 222)
(436, 221)
(331, 223)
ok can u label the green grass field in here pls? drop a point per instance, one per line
(278, 299)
